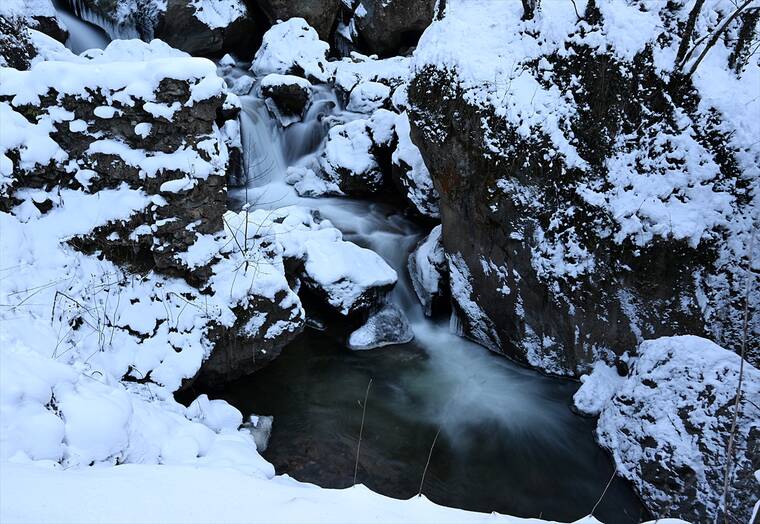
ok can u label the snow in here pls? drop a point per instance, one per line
(426, 264)
(274, 79)
(218, 13)
(308, 184)
(292, 46)
(597, 389)
(367, 97)
(341, 269)
(183, 494)
(416, 179)
(348, 153)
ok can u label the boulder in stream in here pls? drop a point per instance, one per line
(287, 96)
(428, 271)
(668, 424)
(386, 327)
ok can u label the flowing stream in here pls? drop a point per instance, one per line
(82, 35)
(503, 437)
(497, 436)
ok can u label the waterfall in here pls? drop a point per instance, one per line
(83, 35)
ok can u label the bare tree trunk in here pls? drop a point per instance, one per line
(716, 35)
(739, 56)
(688, 31)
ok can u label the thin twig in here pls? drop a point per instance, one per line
(430, 454)
(604, 492)
(361, 431)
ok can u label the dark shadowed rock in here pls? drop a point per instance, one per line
(390, 27)
(290, 95)
(320, 14)
(16, 50)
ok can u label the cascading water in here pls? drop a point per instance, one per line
(82, 35)
(507, 440)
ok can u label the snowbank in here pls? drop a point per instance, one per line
(176, 494)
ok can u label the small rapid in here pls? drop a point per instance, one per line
(503, 437)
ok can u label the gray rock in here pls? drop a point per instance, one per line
(320, 14)
(391, 27)
(539, 274)
(386, 327)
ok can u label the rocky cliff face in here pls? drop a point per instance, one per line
(143, 139)
(586, 202)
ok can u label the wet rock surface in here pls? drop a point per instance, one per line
(291, 96)
(386, 327)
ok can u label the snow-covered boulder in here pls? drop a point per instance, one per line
(126, 164)
(348, 159)
(319, 14)
(668, 425)
(292, 47)
(345, 278)
(386, 327)
(410, 174)
(367, 97)
(589, 199)
(309, 184)
(428, 271)
(349, 72)
(35, 14)
(287, 96)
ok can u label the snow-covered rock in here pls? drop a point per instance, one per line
(597, 389)
(309, 184)
(367, 97)
(124, 170)
(290, 96)
(347, 278)
(35, 14)
(428, 271)
(668, 426)
(386, 327)
(588, 215)
(410, 174)
(351, 71)
(292, 47)
(319, 14)
(16, 48)
(348, 159)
